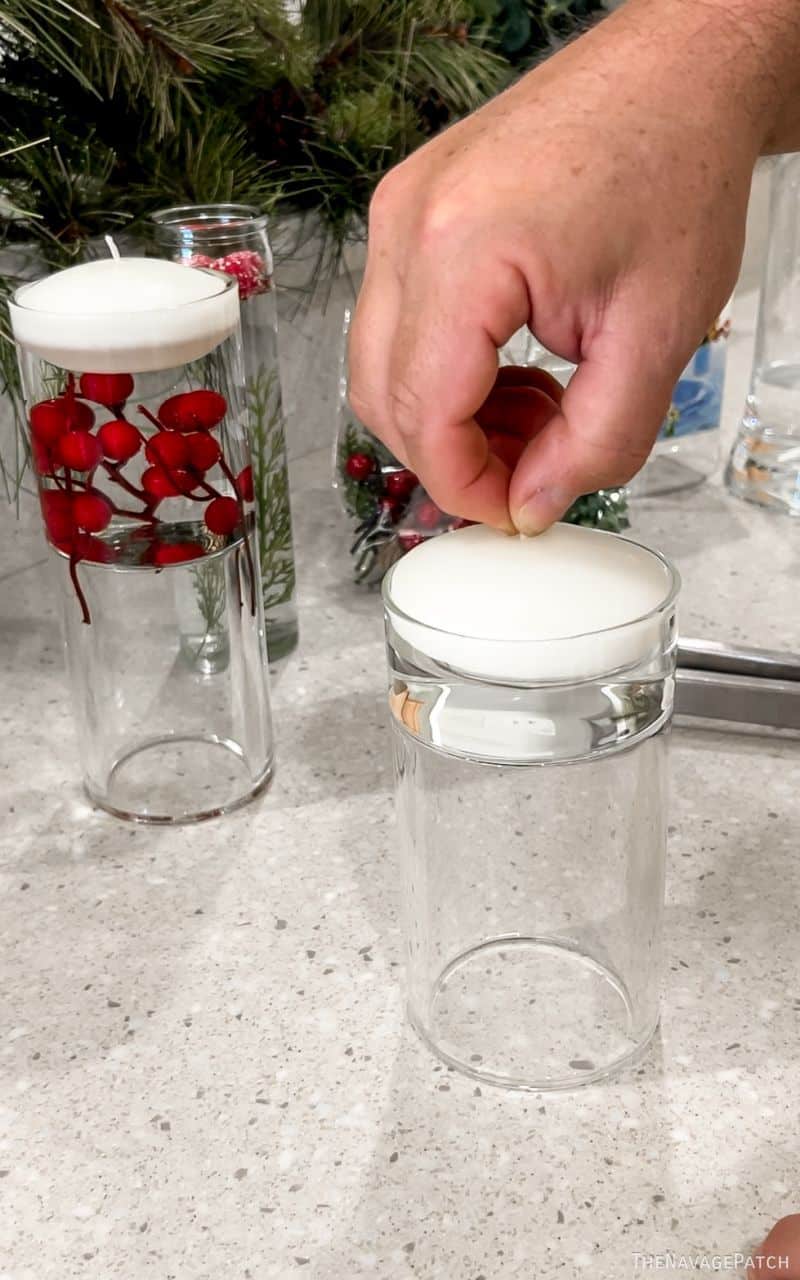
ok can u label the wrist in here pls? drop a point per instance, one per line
(750, 55)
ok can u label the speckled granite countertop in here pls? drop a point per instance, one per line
(205, 1069)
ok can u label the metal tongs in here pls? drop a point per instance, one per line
(737, 686)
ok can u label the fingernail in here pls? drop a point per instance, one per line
(542, 509)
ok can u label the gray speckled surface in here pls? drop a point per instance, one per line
(205, 1068)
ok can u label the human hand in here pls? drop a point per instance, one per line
(601, 201)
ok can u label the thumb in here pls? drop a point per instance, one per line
(609, 418)
(780, 1252)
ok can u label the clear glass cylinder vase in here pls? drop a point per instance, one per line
(233, 238)
(143, 475)
(531, 816)
(686, 452)
(687, 449)
(764, 465)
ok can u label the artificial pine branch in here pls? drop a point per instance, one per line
(154, 100)
(210, 160)
(154, 51)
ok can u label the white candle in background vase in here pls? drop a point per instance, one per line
(571, 604)
(125, 315)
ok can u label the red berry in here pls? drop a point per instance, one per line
(222, 515)
(204, 452)
(42, 458)
(193, 411)
(50, 419)
(164, 553)
(168, 448)
(158, 483)
(110, 389)
(408, 541)
(57, 512)
(119, 440)
(199, 260)
(244, 484)
(359, 466)
(79, 450)
(84, 547)
(91, 511)
(427, 514)
(400, 484)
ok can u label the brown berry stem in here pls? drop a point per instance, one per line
(135, 515)
(73, 563)
(151, 417)
(73, 573)
(239, 575)
(113, 472)
(211, 492)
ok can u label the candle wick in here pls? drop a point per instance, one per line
(112, 247)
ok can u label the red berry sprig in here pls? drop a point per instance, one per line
(161, 482)
(167, 448)
(79, 450)
(400, 484)
(390, 505)
(108, 389)
(51, 419)
(244, 485)
(57, 514)
(200, 410)
(166, 553)
(120, 440)
(222, 516)
(92, 511)
(359, 466)
(180, 452)
(203, 451)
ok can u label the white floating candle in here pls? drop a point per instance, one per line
(125, 315)
(569, 605)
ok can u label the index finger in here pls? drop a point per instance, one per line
(442, 367)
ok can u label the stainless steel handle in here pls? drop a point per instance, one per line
(709, 655)
(732, 699)
(733, 685)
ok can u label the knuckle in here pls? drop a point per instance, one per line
(440, 220)
(406, 409)
(362, 403)
(386, 198)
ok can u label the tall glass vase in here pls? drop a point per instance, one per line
(764, 466)
(233, 238)
(142, 464)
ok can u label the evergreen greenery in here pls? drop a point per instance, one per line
(271, 489)
(136, 102)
